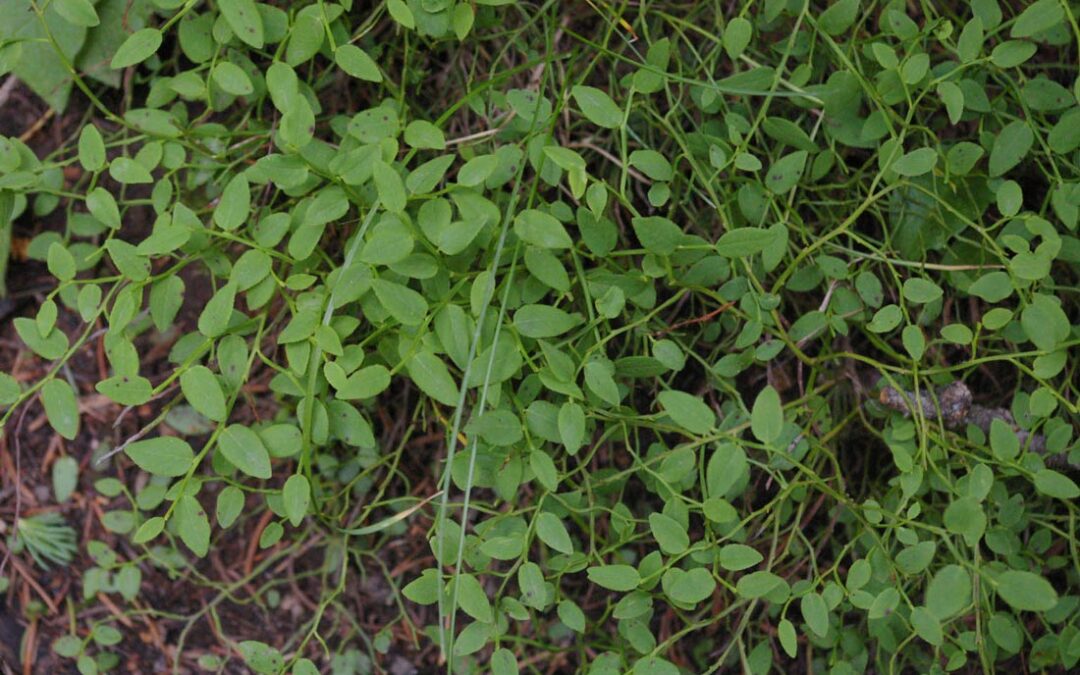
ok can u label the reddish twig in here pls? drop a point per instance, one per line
(696, 320)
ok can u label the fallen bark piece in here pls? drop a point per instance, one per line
(952, 405)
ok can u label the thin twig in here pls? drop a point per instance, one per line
(696, 320)
(480, 135)
(7, 88)
(589, 145)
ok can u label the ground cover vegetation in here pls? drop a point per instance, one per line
(544, 337)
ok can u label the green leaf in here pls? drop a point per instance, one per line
(744, 241)
(65, 477)
(657, 234)
(542, 230)
(969, 44)
(244, 19)
(403, 303)
(230, 503)
(1026, 592)
(102, 206)
(138, 47)
(652, 164)
(921, 291)
(1004, 632)
(839, 16)
(726, 467)
(788, 640)
(357, 63)
(965, 516)
(203, 391)
(758, 584)
(738, 557)
(597, 107)
(884, 603)
(192, 525)
(261, 657)
(599, 379)
(500, 428)
(245, 450)
(927, 626)
(916, 163)
(365, 383)
(477, 170)
(669, 534)
(948, 592)
(51, 346)
(552, 532)
(688, 411)
(117, 18)
(1045, 95)
(767, 416)
(785, 172)
(91, 148)
(166, 298)
(571, 422)
(472, 638)
(546, 267)
(916, 558)
(472, 599)
(46, 317)
(214, 319)
(296, 496)
(61, 263)
(1044, 322)
(235, 203)
(78, 12)
(992, 286)
(251, 268)
(271, 534)
(61, 408)
(1003, 440)
(688, 588)
(1012, 53)
(614, 577)
(432, 377)
(1010, 147)
(423, 590)
(148, 530)
(128, 171)
(1038, 17)
(401, 13)
(543, 321)
(128, 260)
(462, 20)
(426, 177)
(571, 615)
(126, 389)
(232, 79)
(162, 456)
(424, 135)
(531, 583)
(963, 156)
(390, 188)
(1054, 484)
(816, 613)
(9, 389)
(914, 341)
(858, 575)
(737, 36)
